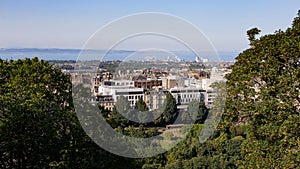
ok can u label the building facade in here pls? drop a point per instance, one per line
(185, 95)
(155, 98)
(118, 88)
(210, 97)
(106, 101)
(148, 84)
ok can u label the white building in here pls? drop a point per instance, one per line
(216, 76)
(155, 98)
(210, 97)
(185, 95)
(205, 83)
(192, 82)
(117, 88)
(197, 59)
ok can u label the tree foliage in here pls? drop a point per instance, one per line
(38, 125)
(170, 109)
(198, 111)
(263, 92)
(220, 152)
(141, 106)
(143, 114)
(35, 113)
(120, 111)
(251, 34)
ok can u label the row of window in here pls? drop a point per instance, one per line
(106, 104)
(187, 100)
(136, 97)
(124, 83)
(190, 95)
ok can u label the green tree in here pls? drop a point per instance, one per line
(120, 112)
(185, 117)
(251, 34)
(141, 106)
(170, 109)
(263, 93)
(220, 152)
(35, 113)
(198, 111)
(143, 114)
(38, 125)
(123, 105)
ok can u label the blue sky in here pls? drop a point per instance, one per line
(68, 24)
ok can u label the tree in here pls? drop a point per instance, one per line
(220, 152)
(141, 106)
(198, 111)
(38, 125)
(263, 93)
(143, 114)
(170, 109)
(119, 113)
(251, 34)
(122, 105)
(35, 113)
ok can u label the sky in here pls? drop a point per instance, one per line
(69, 24)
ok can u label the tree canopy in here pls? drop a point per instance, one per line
(38, 125)
(169, 109)
(35, 113)
(263, 93)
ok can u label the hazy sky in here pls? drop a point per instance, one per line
(68, 24)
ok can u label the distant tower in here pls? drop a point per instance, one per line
(198, 60)
(168, 58)
(178, 59)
